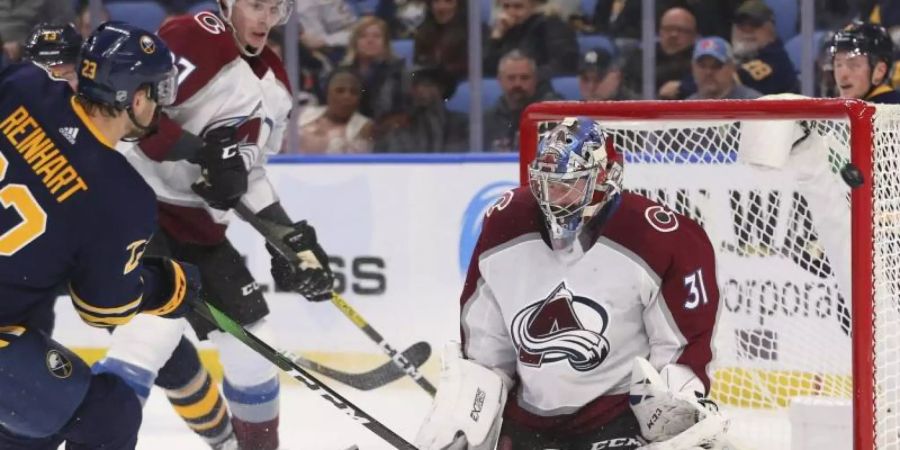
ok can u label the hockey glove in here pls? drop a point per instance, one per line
(224, 175)
(177, 291)
(312, 277)
(672, 411)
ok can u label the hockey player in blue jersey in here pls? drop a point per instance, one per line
(55, 47)
(77, 214)
(861, 57)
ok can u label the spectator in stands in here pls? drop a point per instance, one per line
(622, 18)
(677, 33)
(337, 127)
(385, 82)
(443, 38)
(715, 72)
(764, 64)
(861, 55)
(600, 77)
(432, 127)
(517, 74)
(325, 26)
(18, 18)
(882, 12)
(547, 39)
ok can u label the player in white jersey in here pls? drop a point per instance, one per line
(570, 282)
(209, 153)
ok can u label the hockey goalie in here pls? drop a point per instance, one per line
(586, 316)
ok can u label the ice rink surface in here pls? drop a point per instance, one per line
(307, 421)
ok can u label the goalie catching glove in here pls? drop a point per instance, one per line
(224, 174)
(672, 410)
(312, 277)
(468, 409)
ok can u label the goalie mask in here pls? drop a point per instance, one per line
(576, 171)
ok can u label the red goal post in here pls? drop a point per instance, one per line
(859, 118)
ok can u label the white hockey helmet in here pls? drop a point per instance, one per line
(282, 14)
(575, 172)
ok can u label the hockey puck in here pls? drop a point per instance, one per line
(851, 175)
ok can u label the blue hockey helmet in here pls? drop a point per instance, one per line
(575, 172)
(53, 44)
(118, 59)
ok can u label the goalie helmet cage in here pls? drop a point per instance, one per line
(784, 329)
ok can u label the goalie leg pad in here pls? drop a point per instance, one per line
(468, 409)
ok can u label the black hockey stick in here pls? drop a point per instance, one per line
(274, 233)
(386, 373)
(284, 361)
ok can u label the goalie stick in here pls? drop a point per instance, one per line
(273, 233)
(386, 373)
(284, 361)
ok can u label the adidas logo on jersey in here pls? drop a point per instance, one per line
(70, 133)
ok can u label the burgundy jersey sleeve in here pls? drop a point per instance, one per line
(680, 315)
(202, 46)
(691, 293)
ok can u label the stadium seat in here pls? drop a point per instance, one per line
(203, 6)
(403, 48)
(567, 87)
(145, 14)
(364, 7)
(794, 49)
(591, 41)
(490, 92)
(785, 17)
(588, 7)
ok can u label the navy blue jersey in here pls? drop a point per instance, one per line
(771, 71)
(76, 215)
(884, 94)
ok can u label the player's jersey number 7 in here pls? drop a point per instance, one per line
(34, 218)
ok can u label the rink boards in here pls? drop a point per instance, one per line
(400, 231)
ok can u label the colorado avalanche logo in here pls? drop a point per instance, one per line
(561, 327)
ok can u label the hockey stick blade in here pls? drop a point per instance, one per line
(417, 354)
(274, 234)
(284, 361)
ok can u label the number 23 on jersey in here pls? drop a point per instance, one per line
(33, 219)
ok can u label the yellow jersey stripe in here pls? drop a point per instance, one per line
(82, 114)
(179, 289)
(12, 329)
(3, 343)
(105, 321)
(126, 308)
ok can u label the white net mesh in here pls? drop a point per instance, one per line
(782, 239)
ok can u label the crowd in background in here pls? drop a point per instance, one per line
(390, 76)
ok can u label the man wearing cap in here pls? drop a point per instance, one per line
(763, 63)
(715, 72)
(600, 77)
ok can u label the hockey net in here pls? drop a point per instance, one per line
(792, 329)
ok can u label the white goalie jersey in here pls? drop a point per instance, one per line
(217, 87)
(567, 327)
